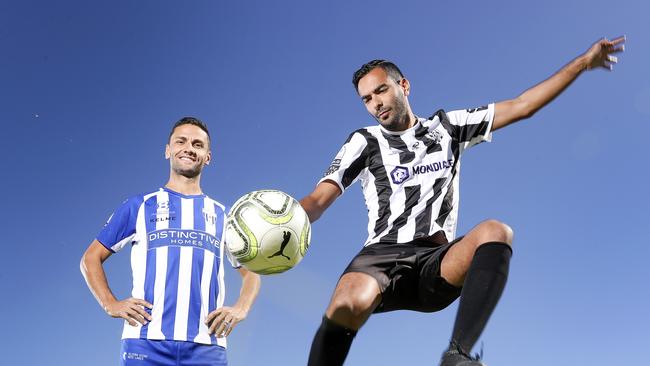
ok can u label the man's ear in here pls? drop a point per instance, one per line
(168, 153)
(208, 158)
(406, 86)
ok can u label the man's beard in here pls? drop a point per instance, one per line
(399, 118)
(189, 172)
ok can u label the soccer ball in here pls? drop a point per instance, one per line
(267, 231)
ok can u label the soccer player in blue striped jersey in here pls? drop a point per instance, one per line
(175, 315)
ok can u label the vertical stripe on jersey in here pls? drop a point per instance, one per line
(184, 272)
(159, 255)
(150, 208)
(412, 197)
(382, 183)
(359, 163)
(208, 265)
(139, 264)
(447, 204)
(173, 266)
(194, 306)
(220, 224)
(396, 142)
(423, 220)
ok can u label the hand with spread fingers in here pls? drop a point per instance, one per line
(132, 310)
(601, 53)
(222, 321)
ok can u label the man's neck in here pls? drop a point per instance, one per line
(184, 185)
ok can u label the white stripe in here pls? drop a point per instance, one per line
(208, 261)
(183, 294)
(138, 265)
(155, 326)
(222, 286)
(184, 275)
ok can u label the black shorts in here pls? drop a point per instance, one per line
(408, 275)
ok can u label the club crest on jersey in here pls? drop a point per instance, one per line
(434, 136)
(399, 174)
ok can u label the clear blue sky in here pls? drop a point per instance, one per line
(89, 91)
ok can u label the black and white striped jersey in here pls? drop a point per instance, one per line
(410, 178)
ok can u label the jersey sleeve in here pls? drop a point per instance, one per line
(471, 126)
(233, 261)
(349, 162)
(119, 230)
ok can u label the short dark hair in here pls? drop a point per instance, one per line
(390, 68)
(190, 121)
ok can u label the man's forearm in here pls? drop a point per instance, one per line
(96, 280)
(541, 94)
(249, 289)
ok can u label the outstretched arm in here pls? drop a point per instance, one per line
(320, 199)
(601, 54)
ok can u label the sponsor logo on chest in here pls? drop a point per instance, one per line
(401, 174)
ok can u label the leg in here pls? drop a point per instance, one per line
(479, 262)
(356, 296)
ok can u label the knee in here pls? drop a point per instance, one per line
(494, 230)
(349, 311)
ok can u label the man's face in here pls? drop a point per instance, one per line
(385, 99)
(188, 150)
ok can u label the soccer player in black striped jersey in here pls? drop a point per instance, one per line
(408, 167)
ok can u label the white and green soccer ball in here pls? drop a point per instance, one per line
(267, 231)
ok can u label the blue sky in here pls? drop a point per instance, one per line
(89, 91)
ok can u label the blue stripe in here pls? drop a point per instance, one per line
(199, 215)
(171, 292)
(220, 220)
(214, 292)
(194, 315)
(173, 265)
(150, 272)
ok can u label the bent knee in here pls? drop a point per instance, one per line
(349, 312)
(494, 230)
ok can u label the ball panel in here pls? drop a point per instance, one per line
(268, 231)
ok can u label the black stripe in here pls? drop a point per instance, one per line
(396, 142)
(412, 197)
(357, 165)
(447, 203)
(461, 133)
(376, 166)
(423, 220)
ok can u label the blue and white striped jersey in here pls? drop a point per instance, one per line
(176, 259)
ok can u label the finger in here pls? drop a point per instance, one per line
(143, 303)
(133, 314)
(213, 315)
(216, 324)
(618, 40)
(143, 313)
(616, 50)
(128, 318)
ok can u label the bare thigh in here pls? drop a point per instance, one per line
(456, 262)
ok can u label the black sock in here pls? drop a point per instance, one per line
(331, 344)
(482, 289)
